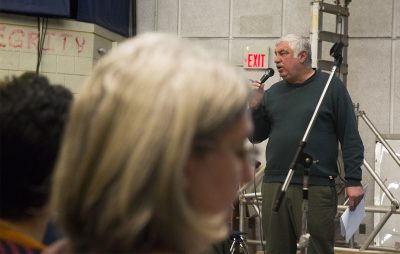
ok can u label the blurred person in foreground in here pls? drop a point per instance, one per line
(32, 117)
(154, 151)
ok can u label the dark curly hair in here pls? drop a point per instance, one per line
(32, 117)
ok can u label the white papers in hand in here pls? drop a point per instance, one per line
(350, 220)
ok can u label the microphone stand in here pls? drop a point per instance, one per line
(305, 159)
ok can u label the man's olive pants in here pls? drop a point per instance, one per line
(282, 229)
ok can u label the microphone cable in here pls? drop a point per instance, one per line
(42, 24)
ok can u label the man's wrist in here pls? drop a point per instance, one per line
(352, 183)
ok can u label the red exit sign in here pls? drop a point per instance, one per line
(256, 57)
(256, 61)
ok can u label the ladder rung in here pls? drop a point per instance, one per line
(327, 66)
(333, 37)
(334, 9)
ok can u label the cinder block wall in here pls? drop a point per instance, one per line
(227, 26)
(70, 49)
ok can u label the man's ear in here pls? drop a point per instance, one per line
(303, 56)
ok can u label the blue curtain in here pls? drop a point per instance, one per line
(58, 8)
(111, 14)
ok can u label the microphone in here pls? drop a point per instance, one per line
(336, 50)
(268, 73)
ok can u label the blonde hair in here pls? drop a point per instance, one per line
(119, 184)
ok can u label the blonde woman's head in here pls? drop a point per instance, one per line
(158, 120)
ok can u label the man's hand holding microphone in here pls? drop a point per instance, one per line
(258, 88)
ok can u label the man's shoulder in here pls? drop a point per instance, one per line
(325, 76)
(336, 83)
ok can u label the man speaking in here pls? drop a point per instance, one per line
(281, 114)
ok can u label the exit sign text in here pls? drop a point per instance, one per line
(255, 61)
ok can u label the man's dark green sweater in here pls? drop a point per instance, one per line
(283, 118)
